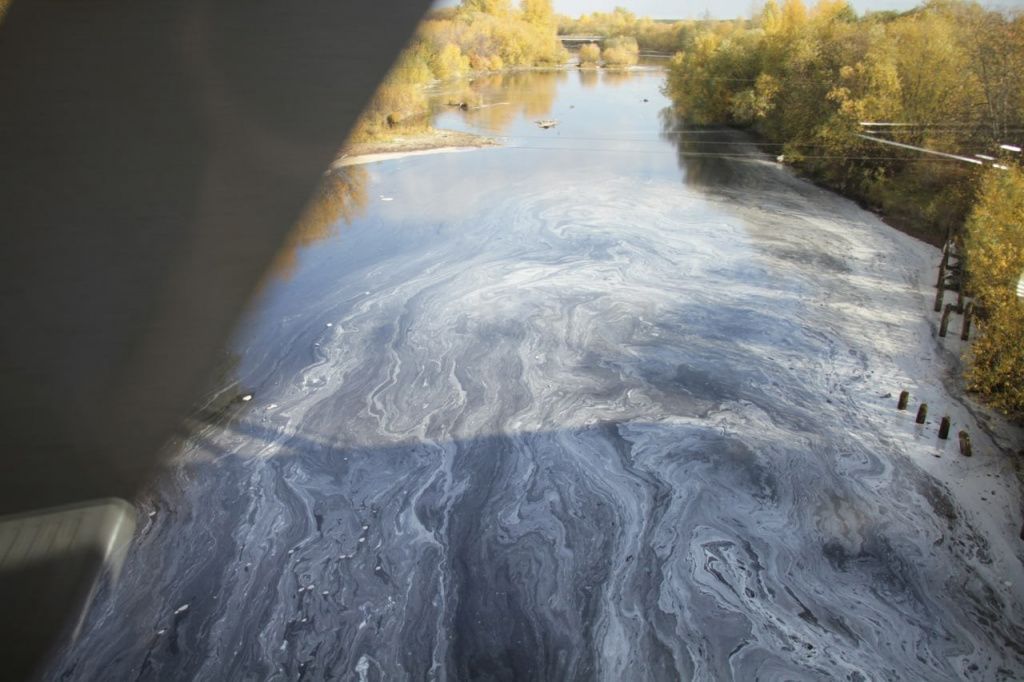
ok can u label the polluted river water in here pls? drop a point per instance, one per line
(614, 401)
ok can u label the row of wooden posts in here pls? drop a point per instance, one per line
(952, 278)
(922, 415)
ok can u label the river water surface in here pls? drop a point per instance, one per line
(614, 401)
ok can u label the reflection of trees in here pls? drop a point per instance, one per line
(341, 195)
(698, 150)
(492, 107)
(588, 77)
(501, 98)
(615, 77)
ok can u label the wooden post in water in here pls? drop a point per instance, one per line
(922, 413)
(960, 296)
(904, 399)
(965, 329)
(965, 444)
(944, 428)
(942, 273)
(938, 297)
(944, 324)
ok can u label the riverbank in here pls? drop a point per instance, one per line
(429, 141)
(899, 216)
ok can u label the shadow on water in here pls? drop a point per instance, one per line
(505, 550)
(518, 605)
(700, 152)
(727, 162)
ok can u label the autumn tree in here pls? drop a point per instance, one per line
(590, 54)
(495, 7)
(621, 51)
(539, 13)
(995, 252)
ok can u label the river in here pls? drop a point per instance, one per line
(616, 401)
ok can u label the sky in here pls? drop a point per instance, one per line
(718, 9)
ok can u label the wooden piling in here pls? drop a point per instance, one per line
(942, 275)
(944, 428)
(965, 444)
(922, 413)
(944, 324)
(960, 297)
(965, 329)
(904, 399)
(938, 297)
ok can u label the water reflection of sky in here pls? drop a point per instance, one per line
(598, 112)
(610, 126)
(594, 104)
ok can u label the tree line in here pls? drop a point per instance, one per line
(618, 52)
(650, 35)
(945, 77)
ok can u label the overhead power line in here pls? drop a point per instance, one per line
(752, 156)
(920, 149)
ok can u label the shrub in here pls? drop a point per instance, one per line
(393, 105)
(590, 54)
(614, 56)
(621, 51)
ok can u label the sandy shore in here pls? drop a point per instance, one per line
(433, 141)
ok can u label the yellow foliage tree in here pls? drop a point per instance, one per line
(539, 12)
(995, 262)
(449, 62)
(590, 54)
(621, 51)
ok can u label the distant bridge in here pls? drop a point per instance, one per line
(574, 41)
